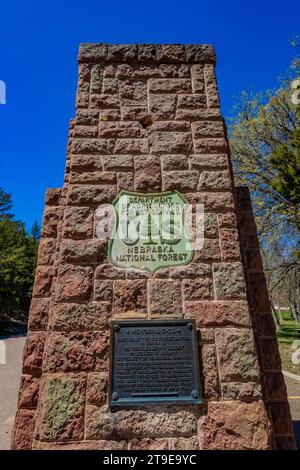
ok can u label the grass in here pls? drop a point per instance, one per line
(289, 332)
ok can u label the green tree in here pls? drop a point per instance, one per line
(265, 146)
(35, 231)
(18, 253)
(5, 204)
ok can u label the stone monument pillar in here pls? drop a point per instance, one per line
(148, 121)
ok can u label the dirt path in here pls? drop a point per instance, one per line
(9, 385)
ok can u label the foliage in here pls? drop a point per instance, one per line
(265, 146)
(18, 253)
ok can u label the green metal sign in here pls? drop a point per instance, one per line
(150, 231)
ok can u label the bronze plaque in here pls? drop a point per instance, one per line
(154, 362)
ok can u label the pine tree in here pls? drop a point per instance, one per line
(18, 254)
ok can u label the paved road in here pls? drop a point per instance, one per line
(9, 384)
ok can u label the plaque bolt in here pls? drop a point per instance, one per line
(117, 328)
(190, 326)
(194, 394)
(115, 396)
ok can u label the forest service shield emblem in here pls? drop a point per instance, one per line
(150, 231)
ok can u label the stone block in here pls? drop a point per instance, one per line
(166, 142)
(90, 52)
(210, 145)
(43, 281)
(76, 352)
(53, 196)
(133, 93)
(165, 85)
(29, 391)
(210, 374)
(62, 416)
(214, 180)
(46, 251)
(118, 162)
(229, 281)
(147, 175)
(192, 101)
(211, 86)
(92, 146)
(122, 52)
(162, 106)
(130, 296)
(174, 162)
(89, 194)
(96, 388)
(184, 443)
(184, 180)
(274, 387)
(235, 425)
(236, 355)
(125, 181)
(208, 161)
(218, 313)
(78, 222)
(197, 289)
(170, 53)
(38, 314)
(163, 305)
(111, 129)
(200, 53)
(23, 432)
(50, 221)
(213, 202)
(148, 444)
(80, 317)
(128, 146)
(248, 391)
(149, 423)
(209, 252)
(230, 246)
(33, 352)
(73, 282)
(82, 251)
(93, 177)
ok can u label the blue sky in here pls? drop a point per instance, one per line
(38, 61)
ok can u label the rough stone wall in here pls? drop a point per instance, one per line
(273, 386)
(114, 145)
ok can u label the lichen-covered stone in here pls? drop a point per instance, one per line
(63, 406)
